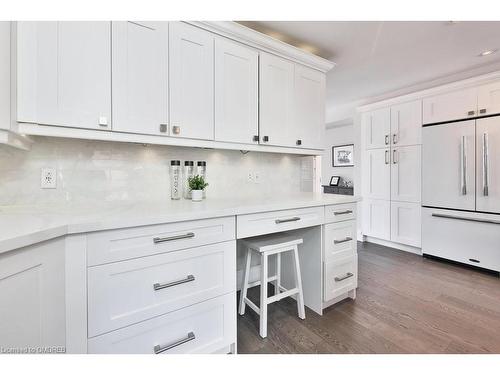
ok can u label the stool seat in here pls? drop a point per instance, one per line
(266, 246)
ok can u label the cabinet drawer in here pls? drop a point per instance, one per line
(340, 276)
(340, 212)
(340, 240)
(116, 245)
(278, 221)
(202, 328)
(124, 293)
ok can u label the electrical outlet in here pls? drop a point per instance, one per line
(48, 178)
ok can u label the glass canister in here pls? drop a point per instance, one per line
(188, 172)
(201, 169)
(175, 179)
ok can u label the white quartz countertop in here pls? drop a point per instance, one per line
(26, 225)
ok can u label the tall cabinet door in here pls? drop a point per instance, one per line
(140, 77)
(309, 107)
(236, 92)
(191, 77)
(65, 73)
(377, 174)
(406, 124)
(488, 165)
(406, 174)
(449, 165)
(488, 99)
(276, 78)
(377, 128)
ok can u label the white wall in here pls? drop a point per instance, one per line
(95, 171)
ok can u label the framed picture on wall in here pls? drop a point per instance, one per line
(343, 156)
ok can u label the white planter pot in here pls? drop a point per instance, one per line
(197, 195)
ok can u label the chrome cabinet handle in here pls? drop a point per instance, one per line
(342, 212)
(347, 239)
(173, 238)
(386, 155)
(280, 221)
(485, 165)
(463, 170)
(394, 160)
(346, 276)
(487, 221)
(158, 349)
(394, 138)
(387, 139)
(158, 286)
(163, 128)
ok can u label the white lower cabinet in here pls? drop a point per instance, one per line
(377, 218)
(406, 224)
(205, 327)
(406, 174)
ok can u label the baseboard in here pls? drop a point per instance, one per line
(394, 245)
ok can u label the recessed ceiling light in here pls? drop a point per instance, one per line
(487, 52)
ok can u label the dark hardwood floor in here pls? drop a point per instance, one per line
(405, 304)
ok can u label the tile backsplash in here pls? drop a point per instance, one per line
(96, 171)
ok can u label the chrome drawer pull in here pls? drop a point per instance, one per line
(342, 212)
(347, 239)
(173, 238)
(158, 349)
(346, 276)
(279, 221)
(158, 286)
(467, 219)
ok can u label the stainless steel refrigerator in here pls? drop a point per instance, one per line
(461, 191)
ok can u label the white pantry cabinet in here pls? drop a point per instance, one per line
(140, 77)
(455, 105)
(488, 99)
(377, 174)
(236, 92)
(191, 78)
(406, 124)
(377, 128)
(377, 218)
(406, 223)
(64, 73)
(406, 174)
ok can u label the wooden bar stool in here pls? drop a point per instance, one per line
(266, 246)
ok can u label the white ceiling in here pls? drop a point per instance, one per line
(376, 58)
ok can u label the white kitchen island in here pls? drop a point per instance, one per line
(157, 277)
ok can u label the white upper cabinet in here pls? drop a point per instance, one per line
(191, 77)
(236, 92)
(64, 73)
(140, 77)
(377, 174)
(488, 99)
(377, 128)
(309, 107)
(406, 173)
(4, 75)
(406, 124)
(276, 125)
(454, 105)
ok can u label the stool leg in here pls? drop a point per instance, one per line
(277, 283)
(298, 280)
(263, 295)
(244, 288)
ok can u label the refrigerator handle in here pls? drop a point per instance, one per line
(463, 157)
(485, 165)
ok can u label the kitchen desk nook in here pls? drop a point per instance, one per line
(160, 277)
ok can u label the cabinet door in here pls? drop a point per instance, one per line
(4, 75)
(236, 92)
(64, 75)
(488, 99)
(32, 303)
(309, 107)
(454, 105)
(406, 124)
(406, 223)
(191, 78)
(276, 77)
(406, 174)
(377, 174)
(140, 83)
(377, 218)
(377, 128)
(488, 165)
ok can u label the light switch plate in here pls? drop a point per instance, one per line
(48, 178)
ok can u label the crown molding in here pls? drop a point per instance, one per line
(255, 39)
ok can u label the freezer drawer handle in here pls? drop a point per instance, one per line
(347, 239)
(173, 238)
(346, 276)
(342, 212)
(158, 349)
(487, 221)
(280, 221)
(474, 260)
(158, 286)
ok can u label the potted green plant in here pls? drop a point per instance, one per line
(197, 184)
